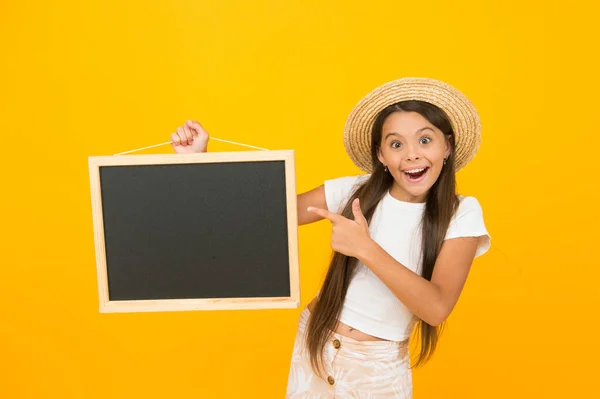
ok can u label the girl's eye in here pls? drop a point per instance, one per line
(396, 144)
(425, 140)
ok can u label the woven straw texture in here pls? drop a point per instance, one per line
(463, 117)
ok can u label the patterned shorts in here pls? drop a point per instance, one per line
(355, 369)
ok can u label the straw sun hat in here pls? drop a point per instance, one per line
(461, 112)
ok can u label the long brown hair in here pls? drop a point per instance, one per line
(441, 204)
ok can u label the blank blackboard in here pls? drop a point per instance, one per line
(195, 231)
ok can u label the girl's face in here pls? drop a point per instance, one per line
(413, 150)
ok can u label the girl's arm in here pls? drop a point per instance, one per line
(316, 198)
(432, 301)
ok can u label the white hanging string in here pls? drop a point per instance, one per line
(212, 138)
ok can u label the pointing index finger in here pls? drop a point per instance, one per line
(332, 217)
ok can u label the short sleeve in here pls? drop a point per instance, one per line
(468, 222)
(338, 191)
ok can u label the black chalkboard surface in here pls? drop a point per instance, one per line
(195, 231)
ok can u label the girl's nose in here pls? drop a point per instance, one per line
(412, 153)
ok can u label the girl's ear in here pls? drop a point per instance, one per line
(380, 156)
(448, 149)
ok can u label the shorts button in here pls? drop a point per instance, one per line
(336, 343)
(330, 380)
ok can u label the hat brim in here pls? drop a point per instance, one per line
(461, 112)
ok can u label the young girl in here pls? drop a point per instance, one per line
(403, 240)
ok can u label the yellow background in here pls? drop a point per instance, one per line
(97, 78)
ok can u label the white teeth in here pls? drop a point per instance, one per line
(414, 170)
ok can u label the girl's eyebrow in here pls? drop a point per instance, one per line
(416, 132)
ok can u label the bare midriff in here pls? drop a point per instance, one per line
(346, 330)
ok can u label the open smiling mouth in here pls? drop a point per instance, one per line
(416, 175)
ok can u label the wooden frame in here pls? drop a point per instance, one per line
(108, 306)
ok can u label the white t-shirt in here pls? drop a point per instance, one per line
(369, 305)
